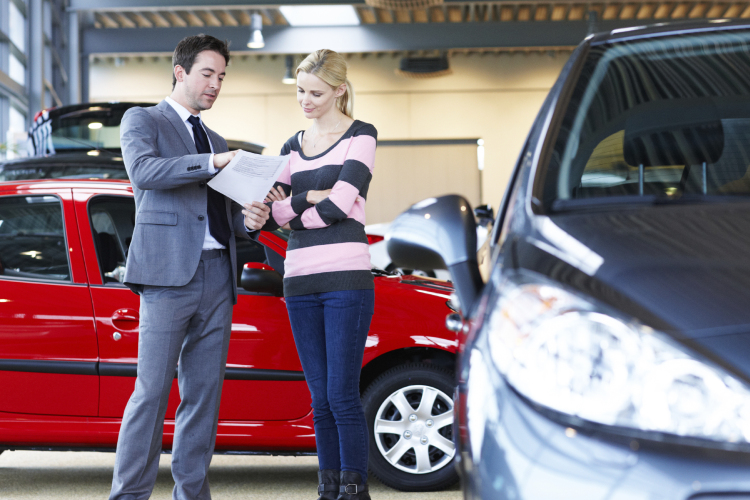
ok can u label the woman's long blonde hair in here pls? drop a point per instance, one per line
(330, 67)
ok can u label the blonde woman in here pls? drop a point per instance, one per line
(328, 285)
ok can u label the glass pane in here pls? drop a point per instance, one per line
(112, 223)
(16, 70)
(17, 28)
(662, 118)
(32, 238)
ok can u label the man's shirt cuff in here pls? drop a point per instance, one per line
(211, 169)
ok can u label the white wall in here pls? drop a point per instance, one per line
(492, 97)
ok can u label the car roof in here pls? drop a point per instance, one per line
(78, 158)
(53, 184)
(667, 29)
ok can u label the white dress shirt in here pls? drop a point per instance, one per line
(209, 242)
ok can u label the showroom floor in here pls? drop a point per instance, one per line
(26, 475)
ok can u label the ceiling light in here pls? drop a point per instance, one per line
(256, 37)
(93, 152)
(320, 15)
(288, 75)
(95, 125)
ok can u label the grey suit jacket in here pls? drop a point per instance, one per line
(169, 182)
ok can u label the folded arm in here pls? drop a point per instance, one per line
(352, 183)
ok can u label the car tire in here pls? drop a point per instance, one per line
(410, 384)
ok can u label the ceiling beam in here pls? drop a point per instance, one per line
(124, 5)
(196, 4)
(354, 39)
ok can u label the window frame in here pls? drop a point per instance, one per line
(69, 281)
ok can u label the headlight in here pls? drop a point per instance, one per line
(576, 357)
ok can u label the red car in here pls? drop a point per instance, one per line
(69, 339)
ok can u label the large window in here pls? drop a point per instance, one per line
(32, 238)
(664, 119)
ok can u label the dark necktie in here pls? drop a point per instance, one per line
(218, 225)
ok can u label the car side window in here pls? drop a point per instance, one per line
(112, 222)
(32, 238)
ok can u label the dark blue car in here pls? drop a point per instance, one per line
(606, 352)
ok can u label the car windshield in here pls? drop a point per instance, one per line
(656, 120)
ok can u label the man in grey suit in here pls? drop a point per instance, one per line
(181, 261)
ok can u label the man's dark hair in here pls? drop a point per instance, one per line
(189, 48)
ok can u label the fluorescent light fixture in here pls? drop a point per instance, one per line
(95, 125)
(320, 15)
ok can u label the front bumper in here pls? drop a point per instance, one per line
(508, 450)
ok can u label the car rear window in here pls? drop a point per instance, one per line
(666, 118)
(86, 129)
(32, 238)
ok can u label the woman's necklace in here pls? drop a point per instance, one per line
(315, 143)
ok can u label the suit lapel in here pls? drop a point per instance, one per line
(215, 139)
(218, 145)
(171, 115)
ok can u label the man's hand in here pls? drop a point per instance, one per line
(221, 160)
(256, 214)
(276, 194)
(316, 197)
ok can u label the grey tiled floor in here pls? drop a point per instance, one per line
(26, 475)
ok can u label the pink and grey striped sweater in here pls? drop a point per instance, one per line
(327, 248)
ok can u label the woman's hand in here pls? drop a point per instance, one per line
(275, 194)
(286, 226)
(316, 197)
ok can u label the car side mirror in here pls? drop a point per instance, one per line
(439, 233)
(262, 279)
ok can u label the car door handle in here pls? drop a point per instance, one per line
(125, 319)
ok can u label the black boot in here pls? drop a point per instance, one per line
(328, 486)
(352, 487)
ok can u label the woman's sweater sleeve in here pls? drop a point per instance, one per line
(352, 182)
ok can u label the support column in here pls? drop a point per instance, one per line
(35, 56)
(74, 58)
(84, 78)
(4, 63)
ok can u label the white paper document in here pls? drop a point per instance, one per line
(249, 176)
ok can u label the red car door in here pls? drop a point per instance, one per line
(48, 351)
(264, 375)
(106, 220)
(264, 379)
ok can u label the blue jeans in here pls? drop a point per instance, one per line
(330, 330)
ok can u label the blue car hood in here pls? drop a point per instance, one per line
(683, 268)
